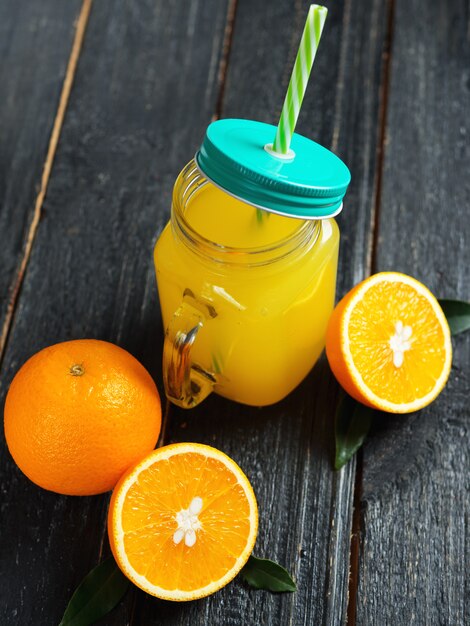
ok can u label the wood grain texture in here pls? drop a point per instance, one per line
(415, 553)
(138, 109)
(35, 44)
(286, 450)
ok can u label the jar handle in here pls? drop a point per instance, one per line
(186, 383)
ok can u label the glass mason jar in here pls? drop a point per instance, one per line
(247, 321)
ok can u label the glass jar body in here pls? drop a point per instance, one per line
(246, 323)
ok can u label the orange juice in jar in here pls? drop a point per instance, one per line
(246, 267)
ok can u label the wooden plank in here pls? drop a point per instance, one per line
(415, 553)
(286, 450)
(138, 109)
(35, 44)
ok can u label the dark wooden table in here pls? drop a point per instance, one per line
(101, 105)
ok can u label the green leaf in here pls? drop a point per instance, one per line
(458, 315)
(268, 575)
(352, 423)
(99, 592)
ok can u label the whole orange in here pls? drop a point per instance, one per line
(78, 414)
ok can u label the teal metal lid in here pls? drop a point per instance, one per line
(309, 183)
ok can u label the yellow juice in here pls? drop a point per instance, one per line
(261, 285)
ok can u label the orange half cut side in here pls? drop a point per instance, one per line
(183, 522)
(388, 343)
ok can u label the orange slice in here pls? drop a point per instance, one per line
(388, 343)
(183, 521)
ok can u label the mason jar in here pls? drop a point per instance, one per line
(246, 266)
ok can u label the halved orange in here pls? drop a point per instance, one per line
(183, 521)
(388, 343)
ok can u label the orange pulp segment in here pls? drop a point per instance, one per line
(388, 343)
(183, 522)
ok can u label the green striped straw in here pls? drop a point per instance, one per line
(299, 79)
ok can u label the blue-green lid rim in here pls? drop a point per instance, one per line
(233, 158)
